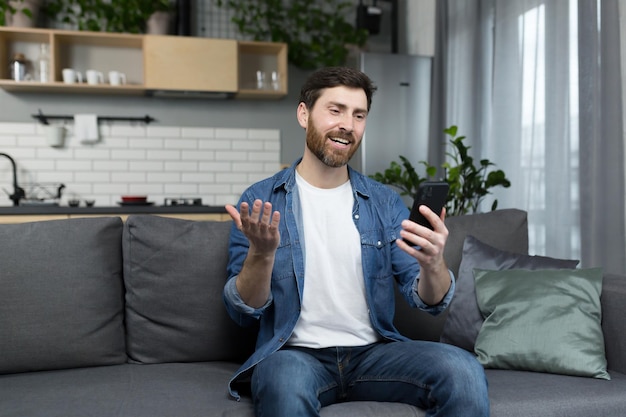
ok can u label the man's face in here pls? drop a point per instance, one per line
(335, 125)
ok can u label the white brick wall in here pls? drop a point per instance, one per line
(215, 164)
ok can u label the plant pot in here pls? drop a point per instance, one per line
(159, 23)
(19, 19)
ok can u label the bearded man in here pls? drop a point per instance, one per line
(315, 253)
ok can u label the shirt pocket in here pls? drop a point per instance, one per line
(283, 260)
(376, 252)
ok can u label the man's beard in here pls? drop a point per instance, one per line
(316, 142)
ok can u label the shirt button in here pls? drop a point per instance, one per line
(356, 216)
(379, 243)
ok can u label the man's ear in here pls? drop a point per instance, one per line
(303, 115)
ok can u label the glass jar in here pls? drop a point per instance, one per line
(18, 67)
(44, 63)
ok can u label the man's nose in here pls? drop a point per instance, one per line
(346, 123)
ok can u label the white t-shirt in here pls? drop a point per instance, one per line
(334, 309)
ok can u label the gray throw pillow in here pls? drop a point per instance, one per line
(174, 272)
(61, 294)
(464, 319)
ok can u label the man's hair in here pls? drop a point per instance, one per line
(334, 77)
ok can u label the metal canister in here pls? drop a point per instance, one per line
(18, 67)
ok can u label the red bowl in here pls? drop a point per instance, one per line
(134, 198)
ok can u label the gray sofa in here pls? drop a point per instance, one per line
(104, 318)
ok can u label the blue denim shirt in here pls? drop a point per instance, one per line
(377, 213)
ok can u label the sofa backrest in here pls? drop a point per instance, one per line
(97, 291)
(174, 271)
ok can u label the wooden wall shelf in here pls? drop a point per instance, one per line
(150, 62)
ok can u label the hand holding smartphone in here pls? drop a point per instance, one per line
(433, 194)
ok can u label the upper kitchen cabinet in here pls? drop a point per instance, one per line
(247, 69)
(150, 63)
(80, 51)
(174, 63)
(262, 69)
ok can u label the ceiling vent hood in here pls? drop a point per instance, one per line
(214, 95)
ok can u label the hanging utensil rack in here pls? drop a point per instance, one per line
(43, 118)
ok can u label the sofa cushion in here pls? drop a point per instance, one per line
(158, 390)
(61, 294)
(530, 394)
(174, 272)
(197, 389)
(542, 321)
(127, 390)
(506, 229)
(464, 318)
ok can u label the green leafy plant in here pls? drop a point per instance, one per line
(7, 7)
(403, 176)
(469, 182)
(316, 32)
(128, 16)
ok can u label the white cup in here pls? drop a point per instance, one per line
(55, 135)
(71, 76)
(117, 78)
(94, 77)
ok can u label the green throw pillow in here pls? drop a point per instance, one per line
(541, 320)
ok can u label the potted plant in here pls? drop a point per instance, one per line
(469, 183)
(127, 16)
(159, 16)
(19, 13)
(317, 33)
(133, 16)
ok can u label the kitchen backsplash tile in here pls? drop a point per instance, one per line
(264, 134)
(122, 130)
(213, 163)
(198, 132)
(231, 133)
(180, 144)
(6, 141)
(19, 128)
(143, 143)
(163, 132)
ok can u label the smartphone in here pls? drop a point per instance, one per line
(432, 194)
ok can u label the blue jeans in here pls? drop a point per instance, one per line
(441, 379)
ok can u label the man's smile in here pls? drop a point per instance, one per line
(340, 140)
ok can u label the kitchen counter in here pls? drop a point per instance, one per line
(32, 213)
(130, 209)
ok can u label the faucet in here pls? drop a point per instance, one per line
(18, 192)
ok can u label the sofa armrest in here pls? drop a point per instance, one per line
(613, 323)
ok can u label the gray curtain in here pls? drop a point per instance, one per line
(602, 186)
(535, 86)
